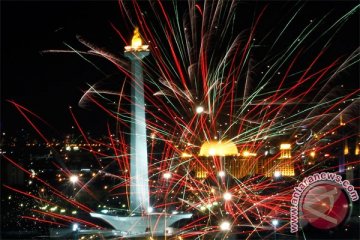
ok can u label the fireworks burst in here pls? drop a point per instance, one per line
(220, 101)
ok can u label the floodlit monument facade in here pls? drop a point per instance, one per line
(139, 179)
(141, 222)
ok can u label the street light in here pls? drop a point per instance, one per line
(75, 229)
(74, 179)
(199, 109)
(221, 174)
(225, 226)
(167, 175)
(275, 223)
(277, 174)
(227, 196)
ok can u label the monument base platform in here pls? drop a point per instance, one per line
(152, 224)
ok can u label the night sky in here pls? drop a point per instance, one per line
(47, 83)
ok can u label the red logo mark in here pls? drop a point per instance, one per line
(325, 206)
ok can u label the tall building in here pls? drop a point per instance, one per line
(245, 165)
(283, 166)
(345, 146)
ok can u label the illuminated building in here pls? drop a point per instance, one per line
(223, 156)
(352, 158)
(248, 165)
(341, 120)
(218, 148)
(285, 151)
(346, 148)
(214, 156)
(345, 152)
(284, 165)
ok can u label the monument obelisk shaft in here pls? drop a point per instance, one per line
(142, 223)
(139, 180)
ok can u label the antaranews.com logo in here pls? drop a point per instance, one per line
(322, 200)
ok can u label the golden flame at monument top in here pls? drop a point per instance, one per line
(136, 43)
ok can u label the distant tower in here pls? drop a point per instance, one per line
(139, 186)
(286, 165)
(285, 151)
(346, 148)
(341, 120)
